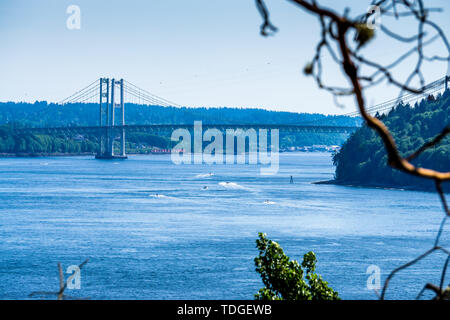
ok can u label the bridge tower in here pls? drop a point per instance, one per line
(104, 98)
(107, 138)
(122, 109)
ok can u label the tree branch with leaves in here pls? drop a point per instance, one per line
(345, 39)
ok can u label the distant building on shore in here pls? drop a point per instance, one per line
(313, 148)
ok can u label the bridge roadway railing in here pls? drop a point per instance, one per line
(168, 128)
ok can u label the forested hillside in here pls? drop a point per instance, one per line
(363, 159)
(42, 144)
(86, 114)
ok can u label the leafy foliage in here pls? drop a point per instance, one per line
(286, 279)
(363, 159)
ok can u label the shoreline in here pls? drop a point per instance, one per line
(378, 186)
(42, 155)
(57, 154)
(83, 154)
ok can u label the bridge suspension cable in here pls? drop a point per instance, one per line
(431, 88)
(145, 96)
(90, 94)
(81, 94)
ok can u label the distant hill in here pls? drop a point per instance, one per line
(44, 114)
(363, 160)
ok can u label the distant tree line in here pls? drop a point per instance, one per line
(42, 113)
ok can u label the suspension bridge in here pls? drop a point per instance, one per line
(113, 95)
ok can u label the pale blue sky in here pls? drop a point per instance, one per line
(196, 53)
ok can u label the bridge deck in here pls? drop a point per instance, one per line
(164, 128)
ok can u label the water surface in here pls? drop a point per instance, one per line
(153, 231)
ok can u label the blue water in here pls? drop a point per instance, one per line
(151, 231)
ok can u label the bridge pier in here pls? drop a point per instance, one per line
(110, 133)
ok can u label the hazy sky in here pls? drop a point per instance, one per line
(196, 53)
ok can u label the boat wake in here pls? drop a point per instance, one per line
(160, 196)
(233, 186)
(204, 175)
